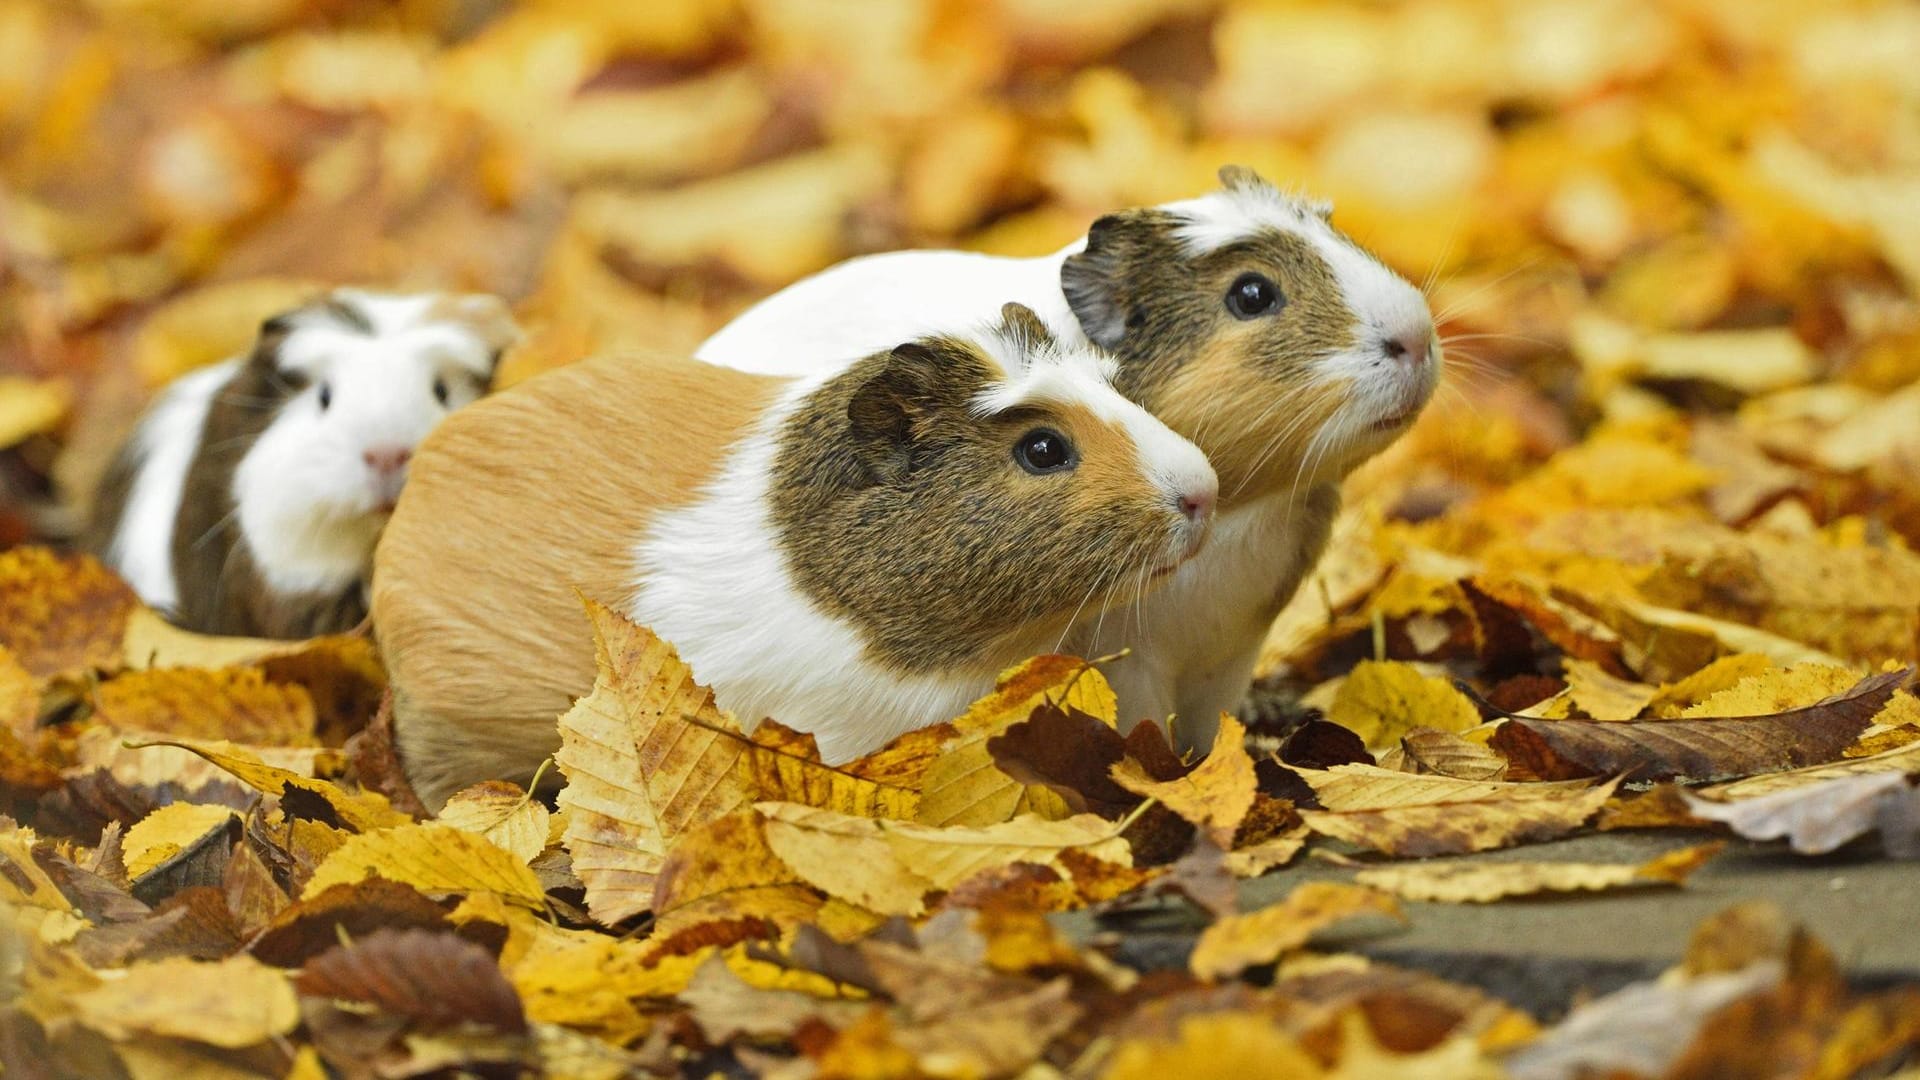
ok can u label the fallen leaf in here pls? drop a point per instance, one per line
(1456, 828)
(1478, 882)
(1640, 1030)
(1070, 754)
(1816, 818)
(358, 810)
(164, 833)
(1369, 787)
(639, 774)
(1237, 942)
(433, 979)
(61, 614)
(724, 869)
(1269, 854)
(308, 927)
(432, 858)
(190, 703)
(1382, 700)
(1604, 696)
(503, 813)
(1904, 759)
(1442, 753)
(963, 786)
(1220, 1045)
(1698, 749)
(29, 407)
(1215, 796)
(232, 1003)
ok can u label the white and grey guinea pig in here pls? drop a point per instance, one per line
(248, 498)
(856, 554)
(1241, 318)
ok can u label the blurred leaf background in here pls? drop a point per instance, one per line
(1620, 207)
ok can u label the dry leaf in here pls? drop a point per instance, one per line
(432, 858)
(1603, 696)
(1237, 942)
(1369, 787)
(1479, 882)
(1455, 828)
(1219, 1044)
(1442, 753)
(167, 831)
(639, 773)
(1816, 818)
(1698, 749)
(190, 703)
(432, 979)
(1215, 796)
(963, 786)
(61, 614)
(1381, 700)
(29, 407)
(503, 813)
(233, 1003)
(724, 870)
(1640, 1030)
(360, 810)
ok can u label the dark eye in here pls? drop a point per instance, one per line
(326, 396)
(1042, 451)
(1252, 296)
(440, 391)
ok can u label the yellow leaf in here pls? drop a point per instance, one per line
(1238, 942)
(1672, 699)
(1469, 881)
(779, 775)
(724, 869)
(1455, 828)
(1223, 1044)
(639, 774)
(1269, 854)
(595, 983)
(362, 811)
(61, 614)
(166, 832)
(1604, 696)
(889, 866)
(29, 407)
(22, 881)
(503, 813)
(152, 642)
(964, 787)
(232, 1003)
(1369, 787)
(1775, 690)
(1383, 700)
(432, 858)
(1215, 796)
(191, 703)
(19, 697)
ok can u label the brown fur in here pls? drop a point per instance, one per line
(1230, 385)
(515, 507)
(943, 543)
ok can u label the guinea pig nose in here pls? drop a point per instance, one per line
(1196, 505)
(1408, 348)
(387, 459)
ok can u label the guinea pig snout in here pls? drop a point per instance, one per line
(387, 460)
(1411, 347)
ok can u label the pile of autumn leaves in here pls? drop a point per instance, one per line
(214, 868)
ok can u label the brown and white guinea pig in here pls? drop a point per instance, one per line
(855, 554)
(1241, 318)
(248, 498)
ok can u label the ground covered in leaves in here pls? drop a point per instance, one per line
(1646, 564)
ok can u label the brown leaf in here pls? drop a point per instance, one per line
(1698, 749)
(1455, 828)
(1442, 753)
(724, 870)
(1238, 942)
(61, 614)
(193, 923)
(1478, 882)
(638, 773)
(315, 924)
(433, 979)
(1215, 796)
(1069, 753)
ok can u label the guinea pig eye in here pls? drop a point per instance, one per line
(440, 391)
(326, 396)
(1252, 295)
(1043, 451)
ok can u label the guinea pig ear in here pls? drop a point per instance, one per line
(1091, 277)
(274, 332)
(1023, 329)
(1241, 178)
(883, 414)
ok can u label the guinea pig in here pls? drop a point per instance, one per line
(1242, 319)
(247, 500)
(856, 554)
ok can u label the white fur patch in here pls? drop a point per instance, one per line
(162, 447)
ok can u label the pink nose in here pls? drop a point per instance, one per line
(1410, 349)
(1196, 505)
(387, 460)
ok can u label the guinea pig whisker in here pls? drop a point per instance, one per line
(1460, 303)
(1446, 252)
(1280, 437)
(225, 519)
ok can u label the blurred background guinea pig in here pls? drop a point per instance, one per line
(248, 497)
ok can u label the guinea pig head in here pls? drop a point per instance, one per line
(954, 497)
(344, 389)
(1245, 320)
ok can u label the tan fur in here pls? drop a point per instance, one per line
(1110, 470)
(1255, 437)
(513, 504)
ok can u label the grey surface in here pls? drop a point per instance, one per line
(1541, 952)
